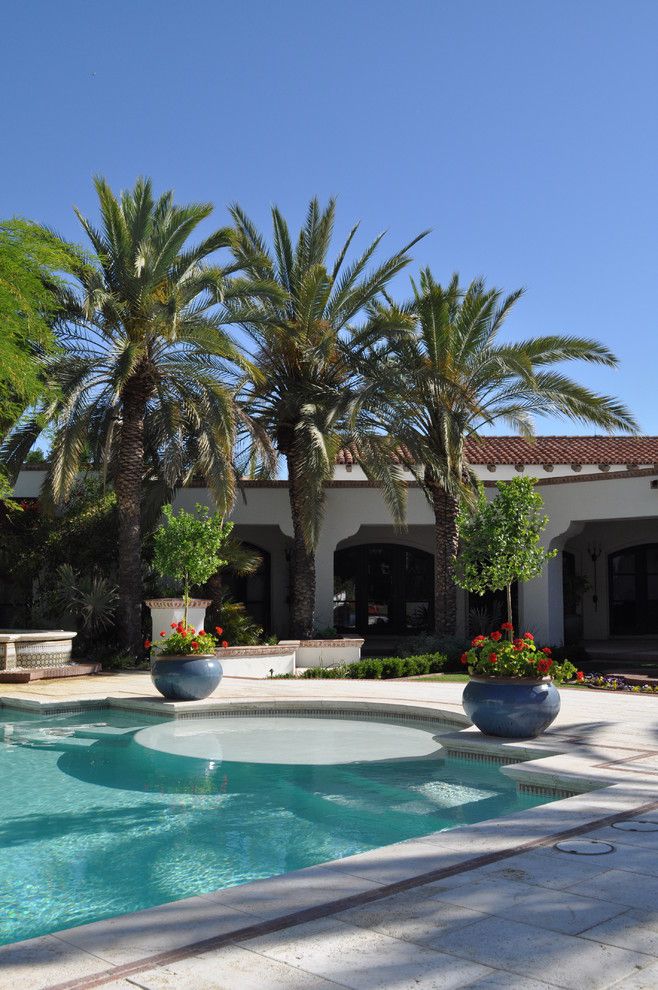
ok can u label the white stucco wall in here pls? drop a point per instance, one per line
(616, 512)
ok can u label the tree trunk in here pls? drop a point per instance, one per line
(128, 487)
(508, 592)
(302, 584)
(446, 509)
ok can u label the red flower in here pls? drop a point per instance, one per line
(201, 632)
(464, 658)
(493, 657)
(518, 646)
(163, 633)
(224, 644)
(580, 676)
(219, 630)
(496, 636)
(528, 636)
(147, 644)
(173, 625)
(547, 650)
(543, 666)
(195, 645)
(477, 641)
(508, 626)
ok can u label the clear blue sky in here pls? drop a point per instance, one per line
(524, 132)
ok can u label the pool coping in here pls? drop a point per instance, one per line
(600, 787)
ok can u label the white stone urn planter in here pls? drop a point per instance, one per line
(324, 652)
(164, 611)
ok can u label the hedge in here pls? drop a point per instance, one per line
(374, 668)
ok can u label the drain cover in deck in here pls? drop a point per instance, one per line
(636, 825)
(584, 847)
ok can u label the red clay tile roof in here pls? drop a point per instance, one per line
(547, 450)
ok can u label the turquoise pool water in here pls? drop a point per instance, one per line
(97, 820)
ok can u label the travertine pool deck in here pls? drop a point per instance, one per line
(492, 905)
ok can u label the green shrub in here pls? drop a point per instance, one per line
(451, 646)
(374, 668)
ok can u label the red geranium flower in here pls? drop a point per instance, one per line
(201, 632)
(496, 636)
(547, 650)
(493, 657)
(544, 666)
(464, 658)
(477, 641)
(163, 633)
(195, 645)
(580, 676)
(528, 636)
(219, 630)
(147, 644)
(508, 626)
(519, 647)
(173, 625)
(224, 644)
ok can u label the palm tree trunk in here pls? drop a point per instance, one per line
(446, 509)
(302, 584)
(128, 487)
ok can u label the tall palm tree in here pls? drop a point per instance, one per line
(307, 347)
(143, 375)
(452, 377)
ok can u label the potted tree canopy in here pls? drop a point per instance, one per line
(187, 549)
(511, 691)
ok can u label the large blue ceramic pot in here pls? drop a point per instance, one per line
(516, 708)
(186, 678)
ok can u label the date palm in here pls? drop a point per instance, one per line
(143, 376)
(452, 377)
(307, 345)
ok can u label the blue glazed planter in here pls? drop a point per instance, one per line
(186, 678)
(517, 708)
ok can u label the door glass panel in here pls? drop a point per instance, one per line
(624, 588)
(379, 588)
(624, 563)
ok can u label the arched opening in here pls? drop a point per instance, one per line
(633, 583)
(383, 589)
(253, 590)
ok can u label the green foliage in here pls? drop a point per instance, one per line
(451, 646)
(237, 625)
(309, 339)
(500, 539)
(32, 264)
(497, 655)
(373, 668)
(91, 598)
(327, 632)
(183, 641)
(187, 546)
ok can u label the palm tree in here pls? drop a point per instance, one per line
(142, 379)
(451, 377)
(307, 348)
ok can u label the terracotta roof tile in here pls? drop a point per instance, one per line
(638, 450)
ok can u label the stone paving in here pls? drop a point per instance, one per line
(507, 909)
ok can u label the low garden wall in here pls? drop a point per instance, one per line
(257, 661)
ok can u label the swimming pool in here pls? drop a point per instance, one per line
(106, 812)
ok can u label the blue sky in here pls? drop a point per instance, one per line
(524, 132)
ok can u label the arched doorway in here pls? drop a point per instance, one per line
(253, 590)
(633, 583)
(383, 589)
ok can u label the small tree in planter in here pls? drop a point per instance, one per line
(510, 692)
(188, 545)
(499, 540)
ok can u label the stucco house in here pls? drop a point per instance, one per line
(601, 497)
